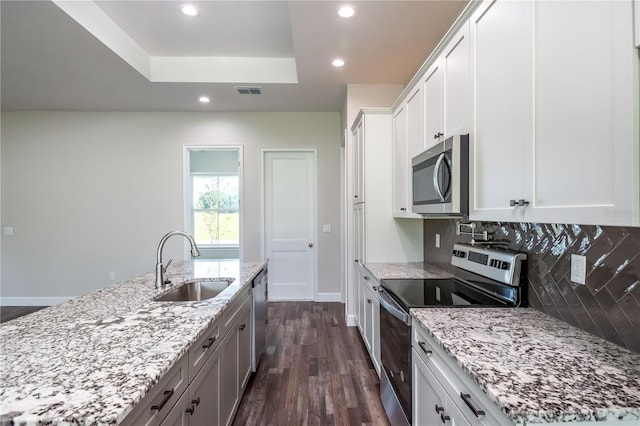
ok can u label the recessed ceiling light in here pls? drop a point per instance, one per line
(189, 10)
(346, 11)
(204, 99)
(337, 62)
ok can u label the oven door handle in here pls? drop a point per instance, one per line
(392, 307)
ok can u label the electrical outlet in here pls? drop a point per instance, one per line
(7, 230)
(578, 268)
(437, 240)
(112, 276)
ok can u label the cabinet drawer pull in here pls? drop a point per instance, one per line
(210, 342)
(403, 209)
(242, 327)
(167, 396)
(424, 349)
(444, 418)
(467, 400)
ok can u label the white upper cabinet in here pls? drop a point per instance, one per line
(446, 91)
(502, 37)
(636, 7)
(415, 123)
(554, 115)
(434, 105)
(456, 66)
(358, 169)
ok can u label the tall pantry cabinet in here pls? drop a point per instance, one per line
(375, 236)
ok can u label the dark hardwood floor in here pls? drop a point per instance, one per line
(315, 371)
(7, 313)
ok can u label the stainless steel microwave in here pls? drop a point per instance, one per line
(441, 178)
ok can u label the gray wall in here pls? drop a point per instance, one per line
(92, 192)
(607, 306)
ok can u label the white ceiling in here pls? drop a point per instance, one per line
(146, 55)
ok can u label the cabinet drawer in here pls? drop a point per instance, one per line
(202, 349)
(231, 312)
(155, 406)
(467, 396)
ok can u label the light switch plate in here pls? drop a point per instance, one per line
(326, 228)
(578, 268)
(7, 230)
(437, 240)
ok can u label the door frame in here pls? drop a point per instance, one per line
(263, 217)
(186, 190)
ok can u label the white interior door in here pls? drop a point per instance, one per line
(290, 216)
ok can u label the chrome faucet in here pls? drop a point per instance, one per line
(160, 268)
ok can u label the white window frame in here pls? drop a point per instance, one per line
(187, 194)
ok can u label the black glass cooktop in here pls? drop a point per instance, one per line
(421, 293)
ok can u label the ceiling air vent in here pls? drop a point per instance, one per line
(249, 90)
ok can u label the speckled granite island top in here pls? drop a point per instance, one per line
(536, 368)
(90, 360)
(405, 270)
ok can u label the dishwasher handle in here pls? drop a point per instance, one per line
(392, 307)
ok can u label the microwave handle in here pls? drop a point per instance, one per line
(436, 171)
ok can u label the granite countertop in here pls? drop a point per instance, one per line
(405, 270)
(91, 359)
(536, 368)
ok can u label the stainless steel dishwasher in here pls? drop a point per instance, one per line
(260, 291)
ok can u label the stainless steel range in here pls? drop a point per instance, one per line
(483, 277)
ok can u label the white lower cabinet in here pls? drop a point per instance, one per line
(235, 364)
(205, 387)
(199, 405)
(431, 405)
(369, 316)
(442, 393)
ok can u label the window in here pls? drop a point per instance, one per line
(214, 200)
(216, 209)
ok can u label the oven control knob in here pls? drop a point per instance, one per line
(505, 265)
(458, 253)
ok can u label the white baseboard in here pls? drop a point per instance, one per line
(329, 297)
(351, 320)
(32, 301)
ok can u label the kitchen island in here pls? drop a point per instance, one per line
(92, 359)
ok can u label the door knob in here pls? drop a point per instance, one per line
(310, 245)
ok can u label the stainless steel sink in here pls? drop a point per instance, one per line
(197, 289)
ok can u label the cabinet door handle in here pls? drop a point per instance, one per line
(356, 260)
(439, 408)
(167, 396)
(365, 277)
(424, 349)
(444, 418)
(190, 410)
(519, 203)
(196, 401)
(242, 327)
(210, 342)
(467, 400)
(403, 209)
(437, 135)
(369, 301)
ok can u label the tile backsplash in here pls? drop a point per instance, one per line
(608, 305)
